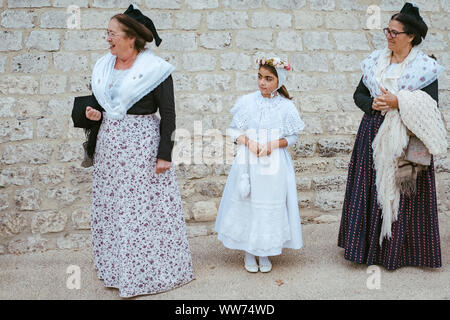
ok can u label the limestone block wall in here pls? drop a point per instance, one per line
(48, 49)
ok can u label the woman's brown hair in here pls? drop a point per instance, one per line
(283, 91)
(134, 29)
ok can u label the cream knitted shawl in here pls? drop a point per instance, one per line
(419, 113)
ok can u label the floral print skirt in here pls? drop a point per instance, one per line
(138, 228)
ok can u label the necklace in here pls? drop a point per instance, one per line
(116, 76)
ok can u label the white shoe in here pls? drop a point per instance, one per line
(250, 263)
(251, 268)
(264, 264)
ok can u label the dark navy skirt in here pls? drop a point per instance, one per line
(415, 235)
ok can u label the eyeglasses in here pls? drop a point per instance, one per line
(111, 34)
(392, 33)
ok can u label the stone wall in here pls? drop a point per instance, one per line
(47, 51)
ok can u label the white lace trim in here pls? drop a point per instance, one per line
(246, 108)
(292, 123)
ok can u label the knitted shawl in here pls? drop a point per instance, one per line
(419, 113)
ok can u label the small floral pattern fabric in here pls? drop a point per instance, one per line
(139, 235)
(418, 74)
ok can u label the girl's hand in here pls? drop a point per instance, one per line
(267, 149)
(93, 114)
(253, 146)
(162, 165)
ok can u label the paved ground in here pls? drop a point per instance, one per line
(317, 271)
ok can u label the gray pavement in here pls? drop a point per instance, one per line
(317, 271)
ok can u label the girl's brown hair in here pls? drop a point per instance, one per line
(283, 91)
(134, 29)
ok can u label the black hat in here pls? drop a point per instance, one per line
(136, 14)
(412, 10)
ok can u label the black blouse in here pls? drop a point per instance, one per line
(162, 98)
(364, 100)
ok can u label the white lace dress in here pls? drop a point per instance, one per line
(268, 219)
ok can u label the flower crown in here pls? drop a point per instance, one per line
(275, 62)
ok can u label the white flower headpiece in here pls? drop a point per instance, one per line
(275, 62)
(280, 66)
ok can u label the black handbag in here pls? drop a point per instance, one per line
(79, 111)
(80, 121)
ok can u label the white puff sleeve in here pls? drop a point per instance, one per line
(292, 123)
(240, 120)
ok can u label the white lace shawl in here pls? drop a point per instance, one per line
(147, 72)
(280, 114)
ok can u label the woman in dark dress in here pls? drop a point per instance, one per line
(138, 229)
(414, 237)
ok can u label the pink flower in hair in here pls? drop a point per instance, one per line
(288, 67)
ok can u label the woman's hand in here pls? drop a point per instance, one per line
(162, 165)
(93, 114)
(386, 101)
(378, 105)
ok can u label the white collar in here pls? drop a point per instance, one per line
(148, 72)
(263, 103)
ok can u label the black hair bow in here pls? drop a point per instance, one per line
(412, 10)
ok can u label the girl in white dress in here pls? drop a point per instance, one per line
(259, 212)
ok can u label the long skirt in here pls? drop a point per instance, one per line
(138, 228)
(415, 235)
